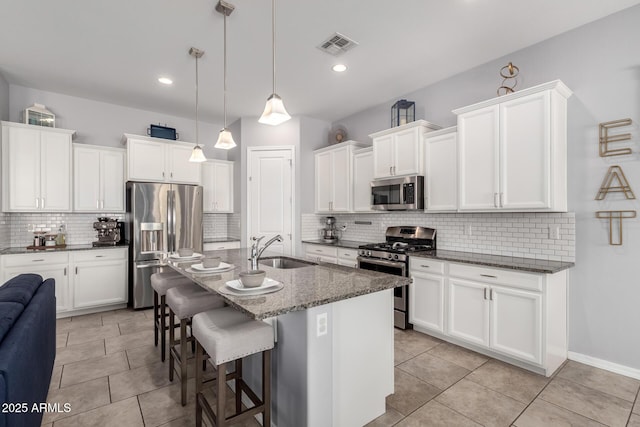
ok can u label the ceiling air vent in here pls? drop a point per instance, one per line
(337, 44)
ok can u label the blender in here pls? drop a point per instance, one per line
(329, 232)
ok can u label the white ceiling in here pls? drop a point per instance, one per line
(114, 51)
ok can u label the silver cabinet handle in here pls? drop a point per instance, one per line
(102, 204)
(171, 174)
(37, 260)
(65, 271)
(163, 174)
(490, 276)
(495, 203)
(394, 170)
(99, 256)
(97, 204)
(76, 270)
(425, 266)
(501, 200)
(37, 203)
(346, 254)
(485, 293)
(390, 170)
(43, 203)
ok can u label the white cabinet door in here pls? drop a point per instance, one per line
(468, 317)
(362, 177)
(57, 272)
(99, 283)
(441, 175)
(146, 160)
(223, 187)
(426, 301)
(478, 142)
(323, 181)
(525, 152)
(383, 161)
(207, 174)
(406, 151)
(179, 168)
(112, 181)
(55, 171)
(516, 323)
(23, 157)
(86, 179)
(341, 180)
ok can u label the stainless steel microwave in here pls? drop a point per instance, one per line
(398, 194)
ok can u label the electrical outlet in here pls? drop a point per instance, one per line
(321, 324)
(467, 229)
(554, 232)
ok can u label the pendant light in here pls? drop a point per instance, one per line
(274, 112)
(197, 155)
(225, 139)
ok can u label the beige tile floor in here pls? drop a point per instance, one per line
(110, 372)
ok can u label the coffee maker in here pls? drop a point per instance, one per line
(329, 232)
(110, 232)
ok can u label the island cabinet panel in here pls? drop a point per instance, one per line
(513, 151)
(441, 165)
(515, 316)
(36, 168)
(157, 160)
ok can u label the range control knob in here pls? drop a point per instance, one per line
(389, 256)
(395, 256)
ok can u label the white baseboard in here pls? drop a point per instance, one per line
(604, 364)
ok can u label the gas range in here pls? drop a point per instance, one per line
(392, 257)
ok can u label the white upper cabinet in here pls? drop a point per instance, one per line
(399, 151)
(217, 184)
(36, 168)
(441, 170)
(512, 151)
(98, 179)
(362, 177)
(333, 177)
(158, 160)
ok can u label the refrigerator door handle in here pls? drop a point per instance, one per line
(154, 263)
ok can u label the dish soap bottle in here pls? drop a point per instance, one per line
(60, 238)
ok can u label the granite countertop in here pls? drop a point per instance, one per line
(513, 263)
(349, 244)
(219, 239)
(303, 287)
(83, 247)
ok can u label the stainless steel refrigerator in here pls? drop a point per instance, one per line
(161, 218)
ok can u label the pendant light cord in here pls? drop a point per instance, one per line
(197, 139)
(224, 96)
(273, 41)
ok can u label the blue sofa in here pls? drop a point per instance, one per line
(27, 348)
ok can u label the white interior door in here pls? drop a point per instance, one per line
(270, 196)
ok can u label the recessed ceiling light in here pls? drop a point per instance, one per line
(165, 80)
(339, 68)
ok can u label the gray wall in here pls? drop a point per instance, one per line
(599, 62)
(4, 99)
(100, 123)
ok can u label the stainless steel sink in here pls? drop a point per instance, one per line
(284, 262)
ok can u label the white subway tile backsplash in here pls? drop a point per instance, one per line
(508, 234)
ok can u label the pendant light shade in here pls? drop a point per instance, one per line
(274, 112)
(225, 139)
(197, 155)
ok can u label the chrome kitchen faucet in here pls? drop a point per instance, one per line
(256, 252)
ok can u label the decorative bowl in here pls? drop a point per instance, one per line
(252, 278)
(211, 262)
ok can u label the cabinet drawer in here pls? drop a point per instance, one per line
(503, 277)
(35, 259)
(322, 250)
(347, 254)
(100, 255)
(216, 246)
(425, 265)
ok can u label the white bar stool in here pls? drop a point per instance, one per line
(227, 335)
(184, 302)
(161, 282)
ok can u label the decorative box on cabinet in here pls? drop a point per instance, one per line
(98, 179)
(399, 151)
(36, 168)
(156, 160)
(217, 184)
(513, 151)
(518, 317)
(441, 165)
(333, 177)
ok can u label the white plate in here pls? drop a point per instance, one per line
(237, 286)
(194, 256)
(223, 266)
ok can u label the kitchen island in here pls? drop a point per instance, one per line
(333, 360)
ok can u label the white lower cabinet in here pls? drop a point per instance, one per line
(84, 279)
(514, 316)
(331, 254)
(99, 277)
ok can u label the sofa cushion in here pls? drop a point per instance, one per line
(9, 313)
(20, 289)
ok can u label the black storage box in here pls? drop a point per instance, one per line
(158, 131)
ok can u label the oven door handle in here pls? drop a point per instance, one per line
(395, 264)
